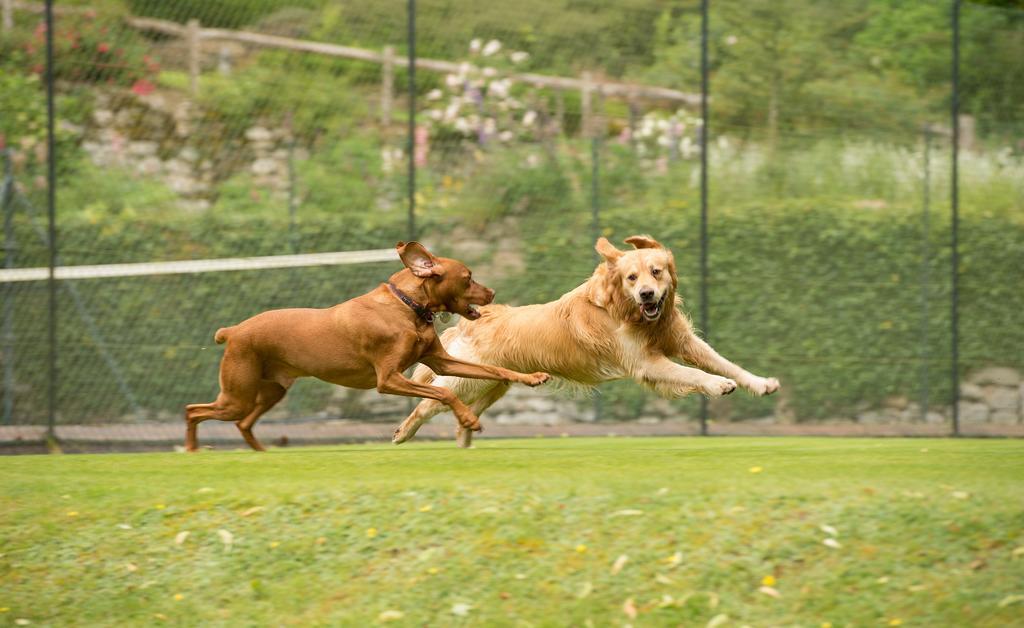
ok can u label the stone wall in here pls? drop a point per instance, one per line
(158, 136)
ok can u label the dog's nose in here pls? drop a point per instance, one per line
(647, 294)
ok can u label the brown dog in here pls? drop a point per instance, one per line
(625, 322)
(363, 343)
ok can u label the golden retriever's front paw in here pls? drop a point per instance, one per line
(761, 386)
(718, 386)
(536, 379)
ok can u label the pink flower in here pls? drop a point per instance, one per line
(142, 87)
(103, 47)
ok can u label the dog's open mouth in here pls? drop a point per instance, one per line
(652, 311)
(472, 312)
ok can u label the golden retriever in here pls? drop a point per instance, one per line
(625, 321)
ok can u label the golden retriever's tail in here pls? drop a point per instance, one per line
(222, 335)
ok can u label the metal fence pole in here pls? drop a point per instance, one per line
(955, 227)
(7, 332)
(704, 194)
(51, 207)
(595, 218)
(412, 119)
(925, 261)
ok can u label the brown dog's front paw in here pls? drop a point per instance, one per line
(536, 379)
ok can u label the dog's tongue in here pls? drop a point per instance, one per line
(650, 308)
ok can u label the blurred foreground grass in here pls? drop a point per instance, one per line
(654, 532)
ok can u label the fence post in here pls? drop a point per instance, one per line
(411, 140)
(6, 196)
(704, 194)
(8, 15)
(51, 205)
(591, 128)
(192, 40)
(925, 261)
(955, 226)
(387, 85)
(585, 104)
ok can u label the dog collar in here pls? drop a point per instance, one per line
(420, 310)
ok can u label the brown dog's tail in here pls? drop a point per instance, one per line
(222, 335)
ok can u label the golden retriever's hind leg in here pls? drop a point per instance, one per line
(423, 412)
(464, 437)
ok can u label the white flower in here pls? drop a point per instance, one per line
(462, 126)
(474, 45)
(506, 136)
(452, 81)
(435, 114)
(490, 126)
(519, 56)
(731, 40)
(529, 117)
(686, 147)
(434, 94)
(451, 111)
(489, 72)
(492, 47)
(499, 88)
(464, 69)
(461, 609)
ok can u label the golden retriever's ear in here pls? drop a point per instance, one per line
(643, 242)
(607, 250)
(419, 260)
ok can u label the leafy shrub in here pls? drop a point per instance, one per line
(93, 49)
(220, 14)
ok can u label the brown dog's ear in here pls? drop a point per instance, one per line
(419, 260)
(607, 250)
(643, 242)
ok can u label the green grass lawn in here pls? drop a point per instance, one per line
(649, 532)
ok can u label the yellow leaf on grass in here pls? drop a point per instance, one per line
(252, 511)
(390, 615)
(629, 608)
(180, 537)
(160, 506)
(768, 581)
(426, 508)
(619, 563)
(371, 532)
(226, 538)
(274, 544)
(895, 621)
(178, 597)
(829, 530)
(72, 513)
(673, 560)
(581, 549)
(1010, 599)
(585, 589)
(718, 620)
(629, 512)
(756, 469)
(769, 591)
(433, 570)
(1018, 552)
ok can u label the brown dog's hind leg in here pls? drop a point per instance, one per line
(239, 384)
(270, 393)
(464, 437)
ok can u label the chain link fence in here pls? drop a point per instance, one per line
(818, 251)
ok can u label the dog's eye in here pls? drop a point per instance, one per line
(632, 277)
(656, 272)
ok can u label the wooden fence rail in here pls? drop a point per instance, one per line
(590, 87)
